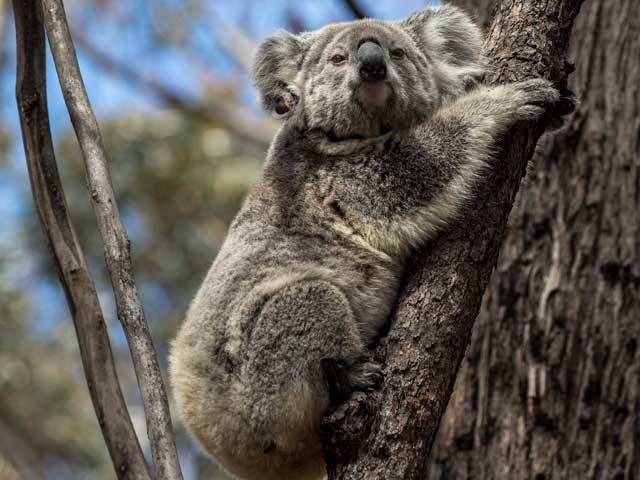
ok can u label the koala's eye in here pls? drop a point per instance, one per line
(397, 53)
(338, 58)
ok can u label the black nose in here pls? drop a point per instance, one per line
(372, 64)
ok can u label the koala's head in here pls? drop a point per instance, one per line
(361, 79)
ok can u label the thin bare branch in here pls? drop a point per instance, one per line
(116, 244)
(51, 206)
(355, 8)
(242, 123)
(234, 41)
(432, 323)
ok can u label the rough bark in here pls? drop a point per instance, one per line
(53, 213)
(116, 244)
(389, 434)
(550, 388)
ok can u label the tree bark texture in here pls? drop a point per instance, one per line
(53, 213)
(116, 245)
(550, 388)
(389, 435)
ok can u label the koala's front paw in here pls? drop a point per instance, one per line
(539, 97)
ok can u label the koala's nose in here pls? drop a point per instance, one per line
(372, 64)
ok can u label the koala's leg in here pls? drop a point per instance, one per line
(481, 119)
(489, 112)
(431, 174)
(300, 330)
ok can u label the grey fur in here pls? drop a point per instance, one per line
(312, 263)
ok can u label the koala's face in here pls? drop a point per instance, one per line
(364, 78)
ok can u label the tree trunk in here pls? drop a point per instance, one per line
(550, 388)
(389, 434)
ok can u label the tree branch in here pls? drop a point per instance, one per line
(389, 434)
(51, 206)
(116, 244)
(234, 41)
(355, 8)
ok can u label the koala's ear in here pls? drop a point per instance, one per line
(275, 67)
(453, 41)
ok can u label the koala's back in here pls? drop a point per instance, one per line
(230, 363)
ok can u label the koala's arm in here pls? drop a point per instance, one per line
(423, 181)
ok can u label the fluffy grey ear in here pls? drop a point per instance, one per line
(275, 67)
(452, 40)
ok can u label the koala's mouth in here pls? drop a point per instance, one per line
(373, 95)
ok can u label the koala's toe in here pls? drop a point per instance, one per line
(563, 107)
(531, 112)
(343, 378)
(539, 91)
(366, 375)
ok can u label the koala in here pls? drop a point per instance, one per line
(385, 135)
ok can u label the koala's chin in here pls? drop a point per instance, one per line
(373, 96)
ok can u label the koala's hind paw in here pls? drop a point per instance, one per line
(365, 375)
(342, 379)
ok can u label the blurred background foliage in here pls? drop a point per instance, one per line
(185, 139)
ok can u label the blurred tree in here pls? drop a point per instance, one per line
(46, 417)
(179, 177)
(36, 376)
(179, 181)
